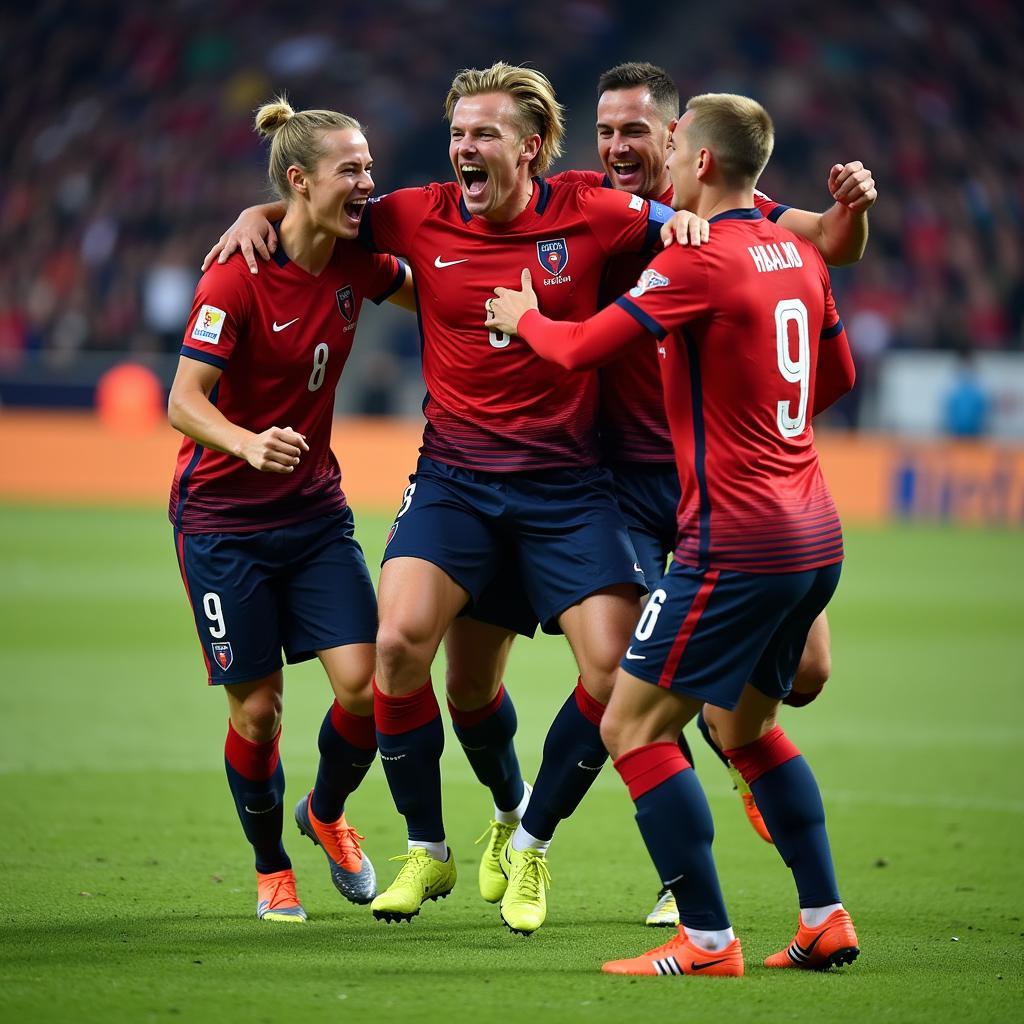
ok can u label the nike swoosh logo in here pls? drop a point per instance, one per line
(636, 567)
(588, 767)
(694, 966)
(281, 327)
(441, 264)
(250, 810)
(630, 656)
(810, 949)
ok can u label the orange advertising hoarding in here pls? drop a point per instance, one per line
(71, 458)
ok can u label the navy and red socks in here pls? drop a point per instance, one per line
(410, 737)
(675, 822)
(256, 779)
(788, 798)
(348, 745)
(573, 758)
(487, 736)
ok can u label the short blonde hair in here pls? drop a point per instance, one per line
(737, 130)
(296, 137)
(539, 112)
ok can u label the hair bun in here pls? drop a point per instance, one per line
(271, 116)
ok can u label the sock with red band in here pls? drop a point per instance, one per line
(348, 745)
(486, 735)
(411, 738)
(256, 779)
(573, 758)
(788, 798)
(675, 822)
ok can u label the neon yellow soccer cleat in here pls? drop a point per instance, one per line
(493, 882)
(524, 905)
(421, 878)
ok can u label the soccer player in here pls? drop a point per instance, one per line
(264, 534)
(751, 346)
(637, 110)
(509, 462)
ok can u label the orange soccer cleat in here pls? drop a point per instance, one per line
(749, 804)
(832, 944)
(351, 871)
(680, 956)
(276, 898)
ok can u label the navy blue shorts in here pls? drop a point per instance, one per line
(556, 534)
(304, 588)
(648, 494)
(706, 633)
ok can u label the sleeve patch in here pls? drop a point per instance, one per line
(209, 323)
(648, 279)
(636, 203)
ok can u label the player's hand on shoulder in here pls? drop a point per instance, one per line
(852, 185)
(251, 233)
(507, 307)
(276, 450)
(685, 228)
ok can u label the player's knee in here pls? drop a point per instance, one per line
(469, 692)
(398, 647)
(611, 733)
(814, 671)
(258, 718)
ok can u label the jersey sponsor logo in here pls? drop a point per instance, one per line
(280, 327)
(346, 303)
(209, 323)
(441, 264)
(649, 279)
(553, 256)
(636, 203)
(223, 655)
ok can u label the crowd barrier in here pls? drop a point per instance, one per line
(71, 458)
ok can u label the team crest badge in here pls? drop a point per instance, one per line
(346, 302)
(223, 655)
(391, 533)
(553, 256)
(649, 279)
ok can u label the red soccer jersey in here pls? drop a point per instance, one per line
(738, 322)
(281, 338)
(633, 423)
(492, 404)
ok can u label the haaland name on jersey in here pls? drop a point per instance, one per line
(775, 256)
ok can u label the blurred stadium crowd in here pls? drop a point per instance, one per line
(130, 146)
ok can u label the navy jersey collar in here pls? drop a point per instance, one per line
(280, 257)
(752, 214)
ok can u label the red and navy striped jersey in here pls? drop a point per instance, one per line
(492, 404)
(281, 338)
(633, 424)
(739, 322)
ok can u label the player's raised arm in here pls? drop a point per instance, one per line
(576, 346)
(252, 233)
(841, 232)
(834, 373)
(189, 409)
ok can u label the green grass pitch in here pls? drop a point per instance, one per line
(128, 892)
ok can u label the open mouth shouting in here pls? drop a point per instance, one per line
(474, 179)
(354, 209)
(626, 172)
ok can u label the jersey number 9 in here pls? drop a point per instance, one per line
(796, 371)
